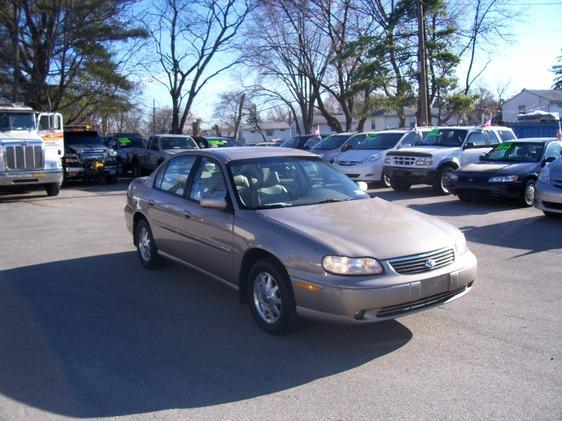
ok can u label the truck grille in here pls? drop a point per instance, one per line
(404, 160)
(23, 157)
(425, 262)
(347, 163)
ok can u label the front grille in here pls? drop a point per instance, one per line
(348, 163)
(23, 157)
(472, 179)
(425, 262)
(404, 160)
(432, 300)
(352, 175)
(553, 205)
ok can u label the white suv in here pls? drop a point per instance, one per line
(441, 151)
(363, 154)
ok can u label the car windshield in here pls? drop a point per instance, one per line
(17, 121)
(177, 143)
(444, 137)
(378, 141)
(279, 182)
(516, 152)
(332, 142)
(83, 138)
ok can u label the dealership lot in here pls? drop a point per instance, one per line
(87, 332)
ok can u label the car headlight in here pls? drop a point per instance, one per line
(503, 179)
(460, 245)
(341, 265)
(544, 176)
(111, 152)
(388, 160)
(424, 161)
(71, 158)
(373, 158)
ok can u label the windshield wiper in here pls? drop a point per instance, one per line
(334, 200)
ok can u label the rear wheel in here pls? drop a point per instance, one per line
(146, 247)
(465, 197)
(527, 197)
(442, 181)
(271, 298)
(52, 189)
(400, 185)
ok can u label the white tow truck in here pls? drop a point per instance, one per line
(31, 147)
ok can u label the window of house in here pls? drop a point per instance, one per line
(522, 109)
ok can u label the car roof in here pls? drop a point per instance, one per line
(533, 140)
(235, 153)
(172, 135)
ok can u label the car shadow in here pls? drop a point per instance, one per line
(544, 231)
(101, 336)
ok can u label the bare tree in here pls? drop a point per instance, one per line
(193, 41)
(230, 110)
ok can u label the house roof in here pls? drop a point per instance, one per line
(550, 94)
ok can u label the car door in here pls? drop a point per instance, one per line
(207, 233)
(153, 153)
(474, 146)
(166, 205)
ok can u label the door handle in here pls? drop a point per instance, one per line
(151, 203)
(186, 215)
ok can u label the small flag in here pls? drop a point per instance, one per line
(488, 121)
(317, 130)
(415, 128)
(559, 132)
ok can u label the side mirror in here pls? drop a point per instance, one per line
(469, 145)
(362, 185)
(547, 160)
(213, 202)
(481, 158)
(346, 147)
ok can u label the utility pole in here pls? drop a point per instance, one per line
(422, 71)
(153, 116)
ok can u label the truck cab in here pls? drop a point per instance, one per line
(31, 147)
(441, 151)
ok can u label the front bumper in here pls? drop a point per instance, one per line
(510, 190)
(548, 197)
(397, 295)
(361, 172)
(88, 170)
(28, 178)
(411, 175)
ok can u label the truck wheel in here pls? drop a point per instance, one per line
(443, 179)
(111, 179)
(52, 189)
(465, 197)
(136, 169)
(400, 185)
(527, 197)
(386, 180)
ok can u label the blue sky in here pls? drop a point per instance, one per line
(524, 63)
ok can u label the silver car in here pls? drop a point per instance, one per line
(548, 190)
(295, 237)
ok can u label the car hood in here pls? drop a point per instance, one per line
(435, 151)
(370, 227)
(19, 136)
(327, 154)
(85, 148)
(360, 154)
(500, 168)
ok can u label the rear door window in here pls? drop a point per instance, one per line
(174, 178)
(208, 181)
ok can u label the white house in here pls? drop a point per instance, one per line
(271, 130)
(529, 100)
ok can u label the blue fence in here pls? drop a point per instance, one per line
(534, 129)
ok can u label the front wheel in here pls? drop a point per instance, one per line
(136, 168)
(465, 197)
(271, 298)
(146, 247)
(386, 180)
(551, 214)
(527, 197)
(52, 189)
(443, 180)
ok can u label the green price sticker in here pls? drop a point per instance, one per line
(124, 140)
(504, 146)
(216, 142)
(433, 133)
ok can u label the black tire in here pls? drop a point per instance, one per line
(136, 168)
(111, 179)
(465, 197)
(440, 184)
(386, 181)
(551, 214)
(146, 246)
(52, 189)
(400, 185)
(283, 315)
(527, 197)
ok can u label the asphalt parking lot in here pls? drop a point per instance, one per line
(86, 332)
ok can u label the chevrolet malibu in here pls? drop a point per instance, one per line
(295, 237)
